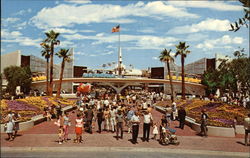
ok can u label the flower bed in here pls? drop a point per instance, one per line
(220, 114)
(31, 106)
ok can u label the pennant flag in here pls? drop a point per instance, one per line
(116, 29)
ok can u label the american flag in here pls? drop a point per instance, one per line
(116, 29)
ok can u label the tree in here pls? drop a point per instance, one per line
(242, 21)
(64, 54)
(230, 77)
(181, 50)
(166, 57)
(46, 53)
(52, 41)
(210, 80)
(18, 76)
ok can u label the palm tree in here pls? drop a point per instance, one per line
(46, 53)
(64, 54)
(52, 40)
(166, 57)
(181, 50)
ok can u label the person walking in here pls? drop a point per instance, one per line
(182, 115)
(10, 125)
(100, 118)
(135, 120)
(247, 128)
(148, 119)
(204, 118)
(119, 125)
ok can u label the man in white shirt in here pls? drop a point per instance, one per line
(135, 120)
(247, 128)
(146, 125)
(112, 118)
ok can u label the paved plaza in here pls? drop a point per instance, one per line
(44, 137)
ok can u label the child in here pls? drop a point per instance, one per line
(60, 134)
(162, 130)
(78, 128)
(155, 131)
(235, 123)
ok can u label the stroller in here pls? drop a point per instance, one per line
(167, 136)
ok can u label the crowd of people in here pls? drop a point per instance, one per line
(116, 114)
(113, 114)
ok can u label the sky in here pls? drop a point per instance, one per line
(146, 28)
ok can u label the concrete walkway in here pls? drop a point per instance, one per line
(44, 136)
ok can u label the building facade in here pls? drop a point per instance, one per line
(38, 67)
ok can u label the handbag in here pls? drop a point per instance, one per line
(5, 127)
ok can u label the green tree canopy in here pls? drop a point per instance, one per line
(18, 76)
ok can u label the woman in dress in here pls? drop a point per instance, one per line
(10, 125)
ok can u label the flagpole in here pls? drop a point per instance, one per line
(119, 49)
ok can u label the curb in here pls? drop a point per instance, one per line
(122, 149)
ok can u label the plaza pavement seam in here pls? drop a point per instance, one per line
(122, 149)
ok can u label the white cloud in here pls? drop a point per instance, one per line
(11, 35)
(78, 1)
(223, 42)
(86, 31)
(155, 58)
(62, 30)
(206, 25)
(95, 13)
(10, 20)
(68, 44)
(16, 37)
(147, 30)
(21, 26)
(196, 37)
(216, 5)
(22, 12)
(141, 41)
(108, 53)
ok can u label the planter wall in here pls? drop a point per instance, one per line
(212, 131)
(35, 120)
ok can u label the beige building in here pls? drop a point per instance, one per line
(38, 66)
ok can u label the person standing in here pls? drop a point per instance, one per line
(148, 119)
(78, 128)
(135, 120)
(182, 115)
(119, 125)
(247, 128)
(89, 118)
(66, 124)
(112, 118)
(16, 126)
(174, 111)
(204, 118)
(129, 116)
(100, 118)
(106, 118)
